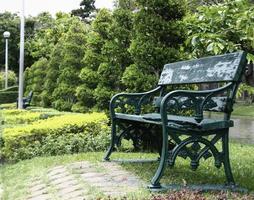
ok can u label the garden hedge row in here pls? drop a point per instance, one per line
(14, 116)
(8, 97)
(10, 89)
(69, 133)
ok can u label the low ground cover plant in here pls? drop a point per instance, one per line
(64, 134)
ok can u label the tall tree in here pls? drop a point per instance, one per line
(158, 34)
(35, 78)
(125, 4)
(47, 43)
(73, 50)
(86, 8)
(9, 22)
(93, 58)
(48, 31)
(52, 74)
(118, 57)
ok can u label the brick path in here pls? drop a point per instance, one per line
(83, 181)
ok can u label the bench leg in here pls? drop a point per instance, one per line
(112, 143)
(226, 161)
(155, 183)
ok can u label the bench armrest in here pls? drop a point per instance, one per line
(136, 99)
(207, 94)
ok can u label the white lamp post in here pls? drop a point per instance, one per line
(6, 36)
(21, 55)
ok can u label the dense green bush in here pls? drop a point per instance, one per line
(220, 29)
(70, 133)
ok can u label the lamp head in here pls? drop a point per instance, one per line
(7, 34)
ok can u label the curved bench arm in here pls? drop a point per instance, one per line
(138, 98)
(208, 94)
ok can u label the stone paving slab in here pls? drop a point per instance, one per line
(78, 180)
(40, 197)
(73, 195)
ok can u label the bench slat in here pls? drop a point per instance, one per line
(220, 68)
(174, 121)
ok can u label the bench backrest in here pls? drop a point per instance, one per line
(222, 68)
(29, 97)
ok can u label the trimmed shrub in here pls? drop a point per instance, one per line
(11, 117)
(8, 97)
(10, 89)
(8, 106)
(19, 116)
(66, 134)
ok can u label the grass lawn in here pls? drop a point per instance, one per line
(15, 178)
(243, 110)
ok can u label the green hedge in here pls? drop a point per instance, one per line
(66, 134)
(8, 106)
(9, 95)
(14, 116)
(10, 89)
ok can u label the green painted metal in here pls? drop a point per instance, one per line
(27, 100)
(209, 69)
(189, 132)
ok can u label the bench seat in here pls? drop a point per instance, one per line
(178, 122)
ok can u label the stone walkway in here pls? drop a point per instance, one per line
(84, 181)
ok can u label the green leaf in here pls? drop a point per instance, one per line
(221, 46)
(210, 47)
(216, 49)
(194, 41)
(250, 57)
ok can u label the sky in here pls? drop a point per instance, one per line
(34, 7)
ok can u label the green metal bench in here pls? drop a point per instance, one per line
(26, 101)
(181, 114)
